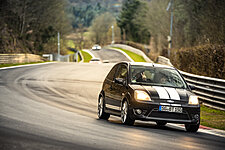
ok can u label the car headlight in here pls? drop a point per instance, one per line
(141, 95)
(193, 100)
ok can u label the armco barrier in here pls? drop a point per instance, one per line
(211, 91)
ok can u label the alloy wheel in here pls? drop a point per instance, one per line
(100, 107)
(124, 112)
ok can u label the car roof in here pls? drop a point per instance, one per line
(148, 64)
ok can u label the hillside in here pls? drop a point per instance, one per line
(82, 12)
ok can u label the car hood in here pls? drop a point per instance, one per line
(165, 94)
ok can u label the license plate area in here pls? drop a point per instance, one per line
(171, 109)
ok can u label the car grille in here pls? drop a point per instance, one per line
(168, 115)
(169, 101)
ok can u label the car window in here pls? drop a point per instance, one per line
(122, 72)
(111, 74)
(157, 76)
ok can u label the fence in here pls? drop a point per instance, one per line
(211, 91)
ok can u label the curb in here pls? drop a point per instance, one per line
(203, 129)
(82, 57)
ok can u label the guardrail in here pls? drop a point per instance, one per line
(163, 60)
(211, 91)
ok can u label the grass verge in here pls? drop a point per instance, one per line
(134, 56)
(17, 64)
(212, 118)
(87, 56)
(70, 52)
(70, 44)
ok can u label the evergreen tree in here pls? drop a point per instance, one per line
(130, 24)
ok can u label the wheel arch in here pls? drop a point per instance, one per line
(101, 94)
(127, 97)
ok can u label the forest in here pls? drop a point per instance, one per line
(198, 32)
(194, 22)
(30, 26)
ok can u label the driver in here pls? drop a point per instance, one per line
(141, 77)
(164, 80)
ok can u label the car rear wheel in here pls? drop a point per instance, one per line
(101, 109)
(125, 114)
(191, 127)
(161, 123)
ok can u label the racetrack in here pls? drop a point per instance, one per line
(54, 106)
(109, 54)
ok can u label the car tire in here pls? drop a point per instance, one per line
(191, 127)
(125, 114)
(161, 123)
(101, 109)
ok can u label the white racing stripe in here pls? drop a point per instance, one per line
(162, 92)
(173, 93)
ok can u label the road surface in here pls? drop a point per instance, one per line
(109, 54)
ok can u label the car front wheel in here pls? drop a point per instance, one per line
(125, 114)
(191, 127)
(101, 109)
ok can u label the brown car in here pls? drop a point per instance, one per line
(147, 91)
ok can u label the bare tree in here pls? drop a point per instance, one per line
(100, 27)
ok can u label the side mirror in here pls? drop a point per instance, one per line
(192, 87)
(120, 81)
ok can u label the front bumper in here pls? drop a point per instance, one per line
(150, 111)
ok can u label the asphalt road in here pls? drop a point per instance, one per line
(54, 106)
(108, 54)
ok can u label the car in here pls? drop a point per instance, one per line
(105, 61)
(148, 92)
(96, 47)
(95, 61)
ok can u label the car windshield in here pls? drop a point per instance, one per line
(156, 76)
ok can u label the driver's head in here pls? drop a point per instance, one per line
(163, 80)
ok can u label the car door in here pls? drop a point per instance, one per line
(119, 89)
(109, 85)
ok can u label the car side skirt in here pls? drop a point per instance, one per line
(113, 111)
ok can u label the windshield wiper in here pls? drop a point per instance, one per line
(173, 86)
(141, 83)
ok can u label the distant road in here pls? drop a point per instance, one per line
(109, 54)
(54, 106)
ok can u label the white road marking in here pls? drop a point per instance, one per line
(19, 66)
(212, 131)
